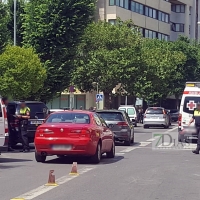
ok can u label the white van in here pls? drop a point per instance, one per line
(3, 126)
(190, 98)
(131, 111)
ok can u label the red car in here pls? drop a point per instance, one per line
(74, 133)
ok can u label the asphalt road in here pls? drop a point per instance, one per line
(144, 171)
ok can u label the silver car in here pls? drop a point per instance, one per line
(119, 122)
(156, 117)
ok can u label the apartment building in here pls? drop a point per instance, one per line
(162, 19)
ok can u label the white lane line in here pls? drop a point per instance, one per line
(151, 140)
(128, 150)
(171, 130)
(43, 189)
(144, 144)
(119, 154)
(165, 145)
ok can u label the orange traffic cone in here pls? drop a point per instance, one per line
(74, 170)
(51, 181)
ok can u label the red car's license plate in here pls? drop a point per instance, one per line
(62, 147)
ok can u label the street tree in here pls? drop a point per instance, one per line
(187, 71)
(54, 28)
(104, 54)
(159, 63)
(4, 33)
(21, 72)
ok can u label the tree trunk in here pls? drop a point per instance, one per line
(106, 100)
(177, 101)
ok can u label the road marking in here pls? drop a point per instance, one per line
(171, 130)
(119, 154)
(151, 140)
(43, 189)
(128, 150)
(144, 144)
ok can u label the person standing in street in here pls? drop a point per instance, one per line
(196, 117)
(24, 115)
(10, 133)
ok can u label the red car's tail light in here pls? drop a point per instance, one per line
(46, 131)
(122, 124)
(83, 132)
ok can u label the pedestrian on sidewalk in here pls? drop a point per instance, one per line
(196, 117)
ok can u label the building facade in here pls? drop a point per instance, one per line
(162, 19)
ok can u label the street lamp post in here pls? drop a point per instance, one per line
(15, 21)
(97, 93)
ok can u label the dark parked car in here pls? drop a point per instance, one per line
(38, 114)
(119, 122)
(174, 113)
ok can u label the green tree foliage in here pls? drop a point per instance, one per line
(54, 28)
(190, 69)
(21, 72)
(105, 53)
(4, 33)
(19, 20)
(160, 62)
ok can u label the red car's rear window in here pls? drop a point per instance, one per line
(69, 117)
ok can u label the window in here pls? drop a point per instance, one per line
(190, 104)
(179, 8)
(141, 9)
(154, 111)
(154, 14)
(111, 116)
(150, 12)
(112, 21)
(177, 27)
(126, 4)
(97, 120)
(112, 2)
(117, 2)
(133, 6)
(69, 117)
(137, 7)
(121, 3)
(131, 111)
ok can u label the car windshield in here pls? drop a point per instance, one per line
(69, 117)
(190, 104)
(154, 111)
(112, 116)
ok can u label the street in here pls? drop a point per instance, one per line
(137, 172)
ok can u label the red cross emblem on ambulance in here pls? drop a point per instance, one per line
(191, 105)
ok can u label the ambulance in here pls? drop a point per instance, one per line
(3, 127)
(190, 98)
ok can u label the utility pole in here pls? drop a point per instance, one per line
(15, 21)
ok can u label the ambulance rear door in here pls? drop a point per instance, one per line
(190, 98)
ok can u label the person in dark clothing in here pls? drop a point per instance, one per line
(24, 115)
(196, 117)
(10, 134)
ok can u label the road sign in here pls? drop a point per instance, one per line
(99, 97)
